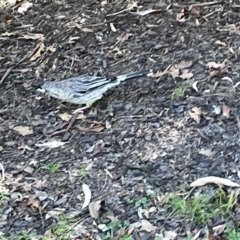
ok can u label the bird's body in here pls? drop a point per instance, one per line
(85, 89)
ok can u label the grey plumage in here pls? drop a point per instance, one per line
(85, 89)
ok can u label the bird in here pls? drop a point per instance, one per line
(86, 89)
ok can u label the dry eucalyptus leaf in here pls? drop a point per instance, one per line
(216, 180)
(51, 144)
(183, 64)
(23, 130)
(67, 117)
(186, 75)
(87, 195)
(94, 208)
(215, 65)
(173, 72)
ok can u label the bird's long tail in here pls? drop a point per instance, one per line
(134, 75)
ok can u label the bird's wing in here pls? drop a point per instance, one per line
(83, 83)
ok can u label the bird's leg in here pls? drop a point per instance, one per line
(80, 110)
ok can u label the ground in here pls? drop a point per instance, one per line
(143, 140)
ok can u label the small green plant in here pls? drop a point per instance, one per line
(141, 202)
(128, 200)
(82, 171)
(120, 227)
(115, 158)
(63, 228)
(180, 91)
(25, 236)
(4, 196)
(203, 207)
(127, 238)
(52, 167)
(232, 233)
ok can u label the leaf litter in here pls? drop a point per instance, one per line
(147, 141)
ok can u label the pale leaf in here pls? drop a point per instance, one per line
(87, 195)
(24, 7)
(147, 226)
(183, 64)
(67, 117)
(206, 152)
(216, 180)
(23, 130)
(51, 144)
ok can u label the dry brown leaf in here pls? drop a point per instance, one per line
(186, 75)
(216, 180)
(38, 52)
(206, 152)
(34, 204)
(183, 64)
(94, 208)
(173, 72)
(23, 130)
(216, 65)
(195, 113)
(67, 117)
(225, 111)
(219, 71)
(147, 226)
